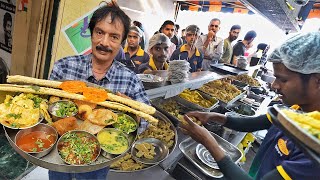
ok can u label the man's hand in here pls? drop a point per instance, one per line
(211, 34)
(205, 117)
(203, 136)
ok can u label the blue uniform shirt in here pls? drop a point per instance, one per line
(139, 58)
(278, 151)
(195, 61)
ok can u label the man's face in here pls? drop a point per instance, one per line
(233, 35)
(133, 39)
(160, 52)
(191, 38)
(8, 27)
(106, 39)
(214, 26)
(289, 84)
(168, 30)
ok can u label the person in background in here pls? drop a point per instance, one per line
(188, 51)
(144, 39)
(176, 39)
(296, 65)
(133, 52)
(109, 26)
(259, 56)
(168, 29)
(240, 48)
(159, 54)
(210, 45)
(7, 28)
(227, 48)
(183, 36)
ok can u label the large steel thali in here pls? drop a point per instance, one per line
(52, 161)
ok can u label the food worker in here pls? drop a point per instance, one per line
(296, 66)
(159, 54)
(109, 27)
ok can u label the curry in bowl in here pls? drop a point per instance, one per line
(126, 123)
(78, 148)
(113, 141)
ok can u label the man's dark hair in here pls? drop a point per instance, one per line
(215, 19)
(6, 18)
(183, 30)
(235, 27)
(115, 12)
(262, 46)
(139, 24)
(177, 27)
(167, 22)
(250, 35)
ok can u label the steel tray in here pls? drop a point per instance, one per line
(228, 69)
(194, 106)
(188, 148)
(157, 104)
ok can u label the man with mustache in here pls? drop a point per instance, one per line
(159, 54)
(133, 51)
(109, 27)
(210, 45)
(188, 51)
(227, 48)
(296, 65)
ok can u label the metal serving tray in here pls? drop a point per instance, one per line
(245, 107)
(188, 148)
(228, 69)
(159, 101)
(194, 106)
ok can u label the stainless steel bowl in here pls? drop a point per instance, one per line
(117, 131)
(129, 118)
(52, 106)
(161, 151)
(88, 135)
(40, 127)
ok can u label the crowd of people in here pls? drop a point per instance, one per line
(296, 66)
(200, 50)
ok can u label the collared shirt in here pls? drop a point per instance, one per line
(195, 61)
(227, 52)
(152, 66)
(214, 50)
(117, 79)
(139, 58)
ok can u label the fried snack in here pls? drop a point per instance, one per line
(64, 125)
(89, 127)
(126, 163)
(84, 111)
(171, 107)
(60, 93)
(195, 120)
(55, 84)
(79, 103)
(54, 99)
(196, 98)
(222, 90)
(247, 80)
(102, 117)
(145, 150)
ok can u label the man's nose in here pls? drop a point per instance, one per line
(105, 41)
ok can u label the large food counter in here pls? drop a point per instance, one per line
(177, 165)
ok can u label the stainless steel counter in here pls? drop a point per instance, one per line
(194, 81)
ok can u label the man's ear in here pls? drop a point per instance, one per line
(317, 79)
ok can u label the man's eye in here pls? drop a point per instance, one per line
(158, 49)
(115, 37)
(99, 32)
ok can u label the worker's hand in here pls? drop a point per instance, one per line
(196, 132)
(205, 117)
(203, 136)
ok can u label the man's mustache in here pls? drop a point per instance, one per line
(105, 49)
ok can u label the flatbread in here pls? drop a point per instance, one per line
(102, 117)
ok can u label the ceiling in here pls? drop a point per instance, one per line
(283, 13)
